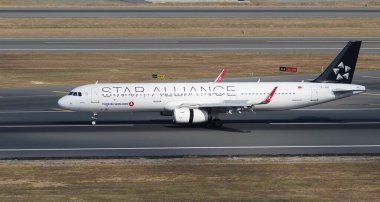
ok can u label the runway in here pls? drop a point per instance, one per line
(31, 126)
(184, 12)
(188, 44)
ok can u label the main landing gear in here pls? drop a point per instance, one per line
(94, 117)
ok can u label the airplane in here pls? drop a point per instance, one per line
(198, 102)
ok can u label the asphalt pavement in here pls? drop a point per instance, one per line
(188, 44)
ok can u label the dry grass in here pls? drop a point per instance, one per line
(194, 179)
(253, 3)
(159, 27)
(28, 69)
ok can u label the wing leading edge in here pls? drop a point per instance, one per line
(228, 103)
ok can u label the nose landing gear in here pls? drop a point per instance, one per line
(94, 117)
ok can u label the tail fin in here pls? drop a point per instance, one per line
(341, 69)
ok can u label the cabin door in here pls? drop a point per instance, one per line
(157, 97)
(314, 94)
(95, 94)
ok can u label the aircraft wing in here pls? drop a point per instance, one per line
(223, 104)
(227, 104)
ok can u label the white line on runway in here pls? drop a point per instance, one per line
(58, 126)
(345, 109)
(105, 42)
(191, 148)
(167, 49)
(222, 37)
(306, 41)
(26, 112)
(326, 123)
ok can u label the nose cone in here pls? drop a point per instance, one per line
(63, 102)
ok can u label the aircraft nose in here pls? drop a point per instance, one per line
(63, 102)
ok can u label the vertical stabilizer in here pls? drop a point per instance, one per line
(341, 69)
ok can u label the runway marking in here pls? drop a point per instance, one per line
(376, 94)
(346, 109)
(61, 110)
(191, 148)
(26, 112)
(221, 37)
(306, 41)
(107, 42)
(60, 92)
(27, 96)
(167, 49)
(327, 123)
(71, 125)
(372, 77)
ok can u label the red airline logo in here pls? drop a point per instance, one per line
(269, 98)
(221, 76)
(131, 103)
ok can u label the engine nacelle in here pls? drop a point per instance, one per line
(186, 115)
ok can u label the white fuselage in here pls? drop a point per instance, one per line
(124, 97)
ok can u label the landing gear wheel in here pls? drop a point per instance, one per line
(94, 118)
(217, 123)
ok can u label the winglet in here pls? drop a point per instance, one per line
(269, 98)
(221, 76)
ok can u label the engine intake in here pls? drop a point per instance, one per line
(186, 115)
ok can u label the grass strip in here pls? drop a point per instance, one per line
(193, 179)
(196, 27)
(44, 69)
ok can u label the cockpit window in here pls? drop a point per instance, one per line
(75, 93)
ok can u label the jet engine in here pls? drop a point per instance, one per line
(186, 115)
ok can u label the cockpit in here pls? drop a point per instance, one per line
(75, 93)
